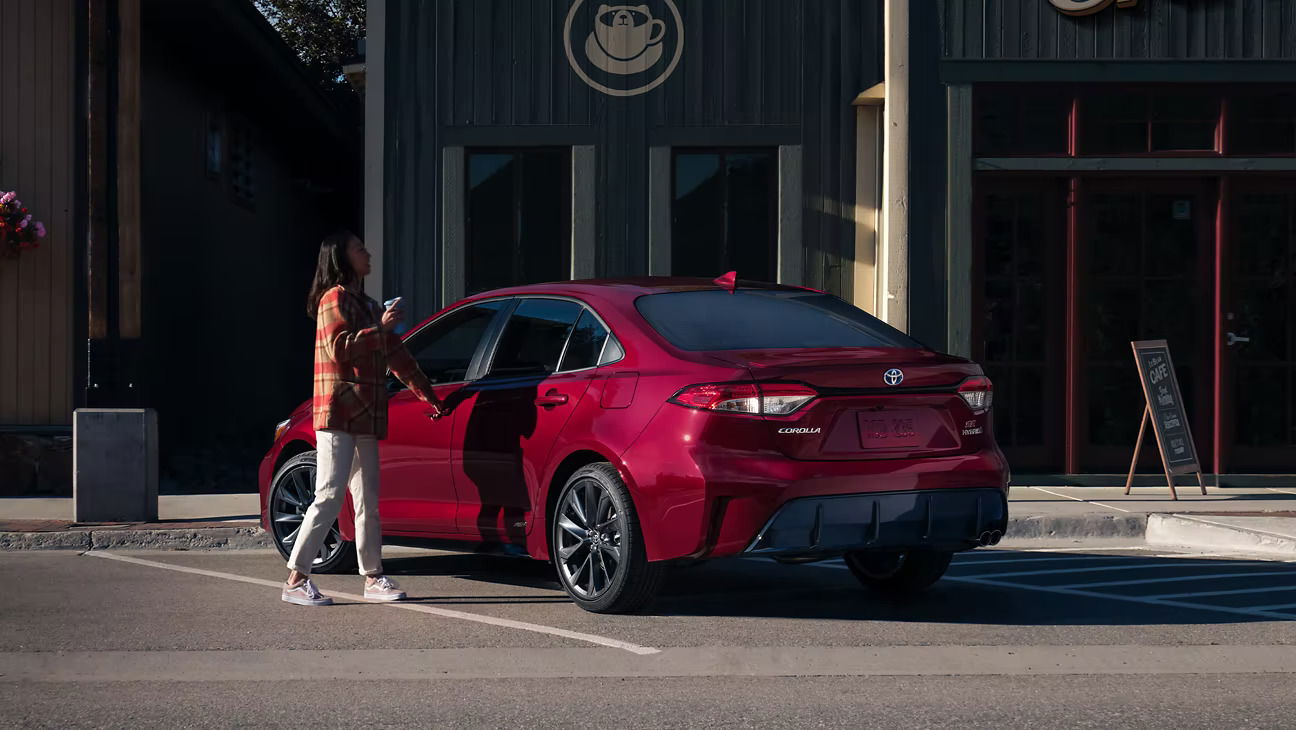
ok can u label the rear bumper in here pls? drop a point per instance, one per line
(947, 519)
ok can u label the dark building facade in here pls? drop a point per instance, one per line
(1034, 183)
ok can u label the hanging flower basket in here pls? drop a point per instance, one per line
(18, 232)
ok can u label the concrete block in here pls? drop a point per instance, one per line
(115, 465)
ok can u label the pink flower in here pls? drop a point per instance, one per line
(6, 198)
(40, 229)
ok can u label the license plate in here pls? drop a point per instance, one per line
(889, 429)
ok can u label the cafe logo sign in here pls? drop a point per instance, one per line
(624, 50)
(1088, 7)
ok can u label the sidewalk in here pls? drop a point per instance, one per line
(198, 521)
(1248, 518)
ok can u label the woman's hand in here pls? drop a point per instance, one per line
(391, 318)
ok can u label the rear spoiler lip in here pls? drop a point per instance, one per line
(893, 390)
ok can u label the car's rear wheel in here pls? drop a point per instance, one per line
(598, 547)
(898, 572)
(291, 493)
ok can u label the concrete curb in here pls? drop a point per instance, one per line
(1093, 526)
(214, 538)
(1206, 532)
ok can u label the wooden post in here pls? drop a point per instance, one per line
(129, 259)
(1138, 448)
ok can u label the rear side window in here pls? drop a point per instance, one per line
(533, 339)
(759, 319)
(586, 343)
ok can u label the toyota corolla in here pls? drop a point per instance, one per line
(614, 428)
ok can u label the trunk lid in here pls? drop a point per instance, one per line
(859, 414)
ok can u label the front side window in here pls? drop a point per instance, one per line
(533, 338)
(758, 319)
(725, 213)
(444, 349)
(518, 217)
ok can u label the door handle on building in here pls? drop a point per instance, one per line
(1234, 339)
(551, 399)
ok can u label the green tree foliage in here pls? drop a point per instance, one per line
(323, 32)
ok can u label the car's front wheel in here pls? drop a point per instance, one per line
(898, 572)
(291, 493)
(598, 547)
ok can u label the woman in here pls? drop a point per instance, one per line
(354, 347)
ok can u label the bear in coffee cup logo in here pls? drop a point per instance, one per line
(624, 44)
(626, 39)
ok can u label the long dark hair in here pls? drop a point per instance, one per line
(332, 268)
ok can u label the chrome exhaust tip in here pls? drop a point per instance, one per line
(995, 537)
(985, 538)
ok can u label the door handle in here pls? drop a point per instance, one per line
(551, 399)
(1234, 339)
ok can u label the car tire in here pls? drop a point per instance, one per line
(582, 548)
(291, 492)
(898, 573)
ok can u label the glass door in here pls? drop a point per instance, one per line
(1145, 258)
(1259, 323)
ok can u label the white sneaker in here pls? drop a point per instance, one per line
(305, 594)
(383, 589)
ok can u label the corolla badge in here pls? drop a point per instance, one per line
(894, 376)
(800, 430)
(624, 50)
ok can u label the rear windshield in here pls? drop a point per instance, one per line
(759, 319)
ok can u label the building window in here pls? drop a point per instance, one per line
(1009, 122)
(1132, 123)
(724, 215)
(1262, 125)
(215, 147)
(242, 163)
(518, 217)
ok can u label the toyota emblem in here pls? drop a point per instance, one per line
(894, 376)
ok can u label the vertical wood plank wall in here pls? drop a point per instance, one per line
(36, 160)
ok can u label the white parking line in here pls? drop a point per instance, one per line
(1082, 559)
(1068, 591)
(1234, 592)
(1095, 568)
(1278, 607)
(1208, 576)
(1077, 499)
(442, 612)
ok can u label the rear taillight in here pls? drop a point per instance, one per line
(978, 393)
(774, 399)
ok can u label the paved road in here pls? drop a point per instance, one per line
(1086, 637)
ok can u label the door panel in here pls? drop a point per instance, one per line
(418, 493)
(1260, 311)
(1146, 252)
(510, 418)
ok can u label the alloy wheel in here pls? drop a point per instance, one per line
(588, 538)
(292, 496)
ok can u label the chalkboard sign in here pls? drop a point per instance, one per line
(1165, 409)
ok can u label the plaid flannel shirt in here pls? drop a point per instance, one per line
(352, 356)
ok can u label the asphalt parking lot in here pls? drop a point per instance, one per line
(104, 638)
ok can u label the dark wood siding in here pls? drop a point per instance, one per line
(494, 72)
(1151, 30)
(37, 139)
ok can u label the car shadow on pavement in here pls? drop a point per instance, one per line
(751, 588)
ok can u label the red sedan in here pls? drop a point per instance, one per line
(612, 427)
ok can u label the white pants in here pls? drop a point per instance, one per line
(342, 459)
